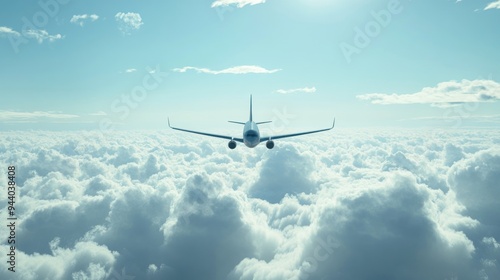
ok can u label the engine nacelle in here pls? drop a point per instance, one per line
(270, 144)
(232, 144)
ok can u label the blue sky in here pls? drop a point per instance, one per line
(122, 64)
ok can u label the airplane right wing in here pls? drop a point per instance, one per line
(295, 134)
(206, 134)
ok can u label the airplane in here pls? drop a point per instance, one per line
(251, 135)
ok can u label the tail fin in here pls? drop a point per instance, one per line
(251, 118)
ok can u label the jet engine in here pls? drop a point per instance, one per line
(270, 144)
(232, 144)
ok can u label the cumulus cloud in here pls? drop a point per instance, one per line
(128, 22)
(445, 94)
(164, 205)
(297, 90)
(464, 176)
(493, 5)
(82, 19)
(243, 69)
(237, 3)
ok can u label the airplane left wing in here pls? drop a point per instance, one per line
(295, 134)
(206, 134)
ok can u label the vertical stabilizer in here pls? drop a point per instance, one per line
(251, 119)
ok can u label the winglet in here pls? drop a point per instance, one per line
(333, 125)
(168, 120)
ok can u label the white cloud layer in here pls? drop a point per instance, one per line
(82, 19)
(128, 22)
(343, 205)
(443, 95)
(243, 69)
(237, 3)
(297, 90)
(493, 5)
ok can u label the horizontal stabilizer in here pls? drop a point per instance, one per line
(237, 122)
(264, 122)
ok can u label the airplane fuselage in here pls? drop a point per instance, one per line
(251, 134)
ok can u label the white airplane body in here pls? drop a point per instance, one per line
(251, 134)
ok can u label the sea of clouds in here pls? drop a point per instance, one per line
(347, 204)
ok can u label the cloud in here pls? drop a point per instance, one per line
(296, 90)
(13, 116)
(8, 31)
(237, 3)
(99, 113)
(445, 94)
(475, 181)
(284, 172)
(244, 69)
(165, 205)
(493, 5)
(130, 70)
(128, 22)
(85, 260)
(456, 119)
(41, 35)
(81, 19)
(37, 34)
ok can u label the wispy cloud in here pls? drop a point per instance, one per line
(39, 35)
(14, 116)
(243, 69)
(81, 19)
(128, 22)
(237, 3)
(100, 113)
(445, 94)
(493, 5)
(472, 119)
(130, 70)
(297, 90)
(8, 31)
